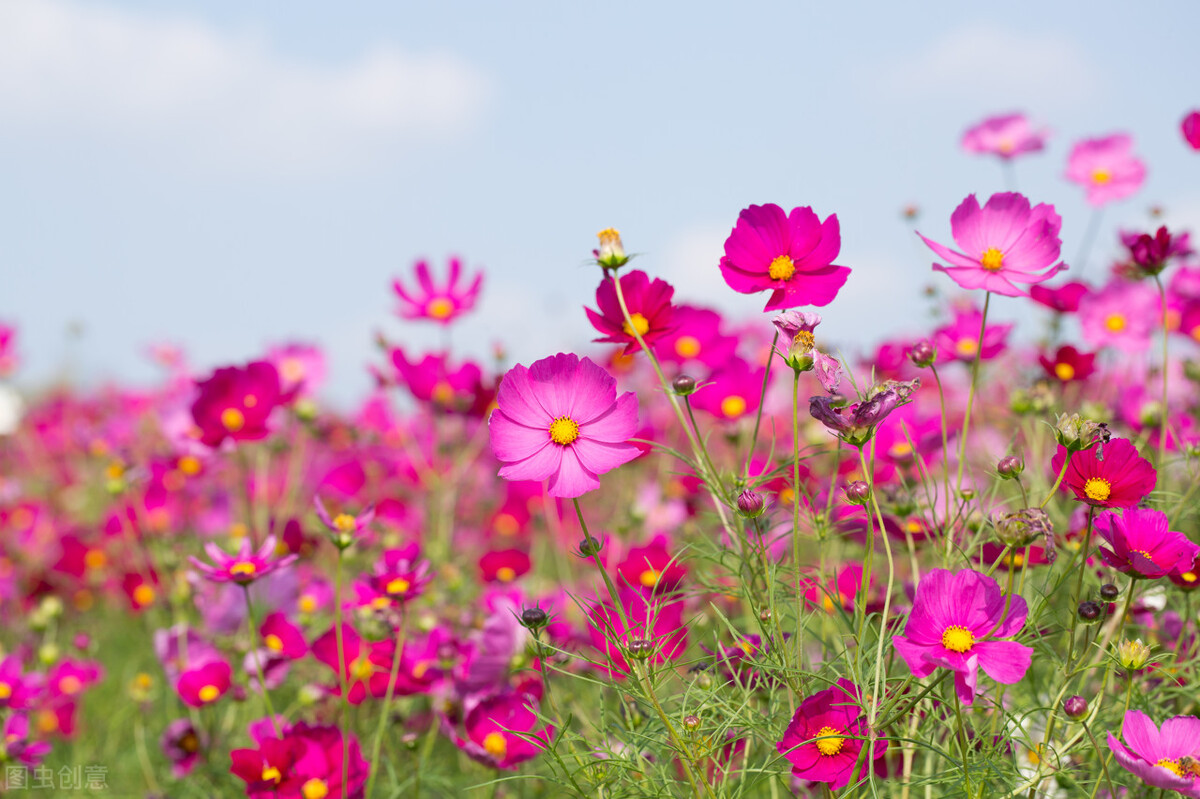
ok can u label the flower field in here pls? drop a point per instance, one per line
(708, 557)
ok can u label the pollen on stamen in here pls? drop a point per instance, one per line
(564, 430)
(640, 323)
(829, 745)
(1097, 489)
(782, 268)
(957, 638)
(440, 308)
(992, 259)
(805, 339)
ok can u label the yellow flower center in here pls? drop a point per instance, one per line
(314, 789)
(1097, 488)
(439, 308)
(782, 268)
(274, 642)
(564, 430)
(1189, 577)
(829, 746)
(398, 585)
(495, 745)
(992, 259)
(189, 465)
(640, 323)
(506, 574)
(1064, 371)
(733, 406)
(687, 346)
(271, 774)
(243, 568)
(649, 578)
(957, 639)
(506, 524)
(362, 669)
(967, 347)
(1171, 766)
(901, 449)
(344, 522)
(209, 693)
(805, 339)
(307, 603)
(1115, 322)
(233, 420)
(1016, 560)
(95, 559)
(70, 685)
(143, 595)
(1101, 176)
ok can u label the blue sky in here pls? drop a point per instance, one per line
(227, 175)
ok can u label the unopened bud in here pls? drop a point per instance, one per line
(750, 503)
(923, 353)
(611, 253)
(1109, 592)
(691, 723)
(1024, 527)
(588, 547)
(1090, 611)
(1076, 707)
(639, 649)
(858, 492)
(684, 385)
(1010, 466)
(1133, 655)
(534, 618)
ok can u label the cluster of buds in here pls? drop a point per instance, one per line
(1024, 527)
(1077, 434)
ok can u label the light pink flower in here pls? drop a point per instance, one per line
(1106, 168)
(1006, 136)
(1122, 315)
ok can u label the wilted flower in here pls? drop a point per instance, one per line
(1024, 527)
(796, 329)
(855, 424)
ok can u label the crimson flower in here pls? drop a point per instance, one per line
(1110, 475)
(649, 305)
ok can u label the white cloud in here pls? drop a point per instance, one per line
(999, 66)
(206, 95)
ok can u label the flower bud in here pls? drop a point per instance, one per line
(639, 649)
(691, 723)
(923, 353)
(1133, 655)
(588, 547)
(611, 253)
(534, 619)
(1090, 611)
(1024, 527)
(1109, 592)
(858, 492)
(750, 503)
(1076, 707)
(1010, 466)
(684, 385)
(764, 615)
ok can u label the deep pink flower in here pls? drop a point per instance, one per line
(344, 526)
(955, 623)
(503, 565)
(243, 567)
(1106, 168)
(305, 763)
(1063, 299)
(732, 393)
(400, 574)
(649, 305)
(652, 568)
(365, 666)
(959, 339)
(656, 621)
(435, 380)
(182, 744)
(1110, 475)
(282, 637)
(1141, 545)
(1069, 364)
(1191, 129)
(301, 367)
(503, 731)
(1122, 315)
(561, 420)
(790, 254)
(1155, 755)
(236, 401)
(18, 691)
(1004, 243)
(205, 684)
(1150, 254)
(696, 337)
(8, 350)
(1006, 136)
(824, 740)
(442, 304)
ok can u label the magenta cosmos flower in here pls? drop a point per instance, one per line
(1004, 243)
(1190, 128)
(236, 401)
(650, 310)
(1006, 136)
(502, 731)
(955, 624)
(824, 741)
(1110, 475)
(1123, 314)
(1157, 756)
(1106, 168)
(243, 567)
(790, 254)
(1141, 545)
(442, 304)
(561, 420)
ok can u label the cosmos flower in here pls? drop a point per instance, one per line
(365, 665)
(182, 744)
(243, 567)
(956, 621)
(204, 684)
(1141, 545)
(561, 420)
(235, 402)
(1006, 136)
(824, 740)
(659, 623)
(789, 254)
(400, 574)
(958, 340)
(1063, 299)
(435, 380)
(1110, 475)
(649, 305)
(502, 730)
(696, 337)
(855, 424)
(504, 565)
(1106, 168)
(1005, 243)
(1069, 364)
(1157, 756)
(732, 393)
(1190, 127)
(1123, 315)
(1150, 254)
(304, 762)
(442, 304)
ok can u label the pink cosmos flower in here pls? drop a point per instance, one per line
(8, 350)
(1004, 243)
(790, 254)
(504, 565)
(182, 744)
(1006, 136)
(1191, 129)
(1063, 299)
(301, 367)
(1110, 475)
(732, 393)
(652, 568)
(1156, 756)
(1106, 168)
(1069, 364)
(955, 623)
(366, 666)
(442, 304)
(344, 526)
(561, 420)
(305, 763)
(1140, 545)
(400, 574)
(824, 740)
(959, 339)
(1123, 315)
(205, 684)
(18, 691)
(656, 621)
(503, 731)
(432, 379)
(235, 402)
(696, 337)
(243, 567)
(649, 305)
(282, 637)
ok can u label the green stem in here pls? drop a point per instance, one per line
(962, 441)
(945, 464)
(262, 682)
(387, 701)
(796, 520)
